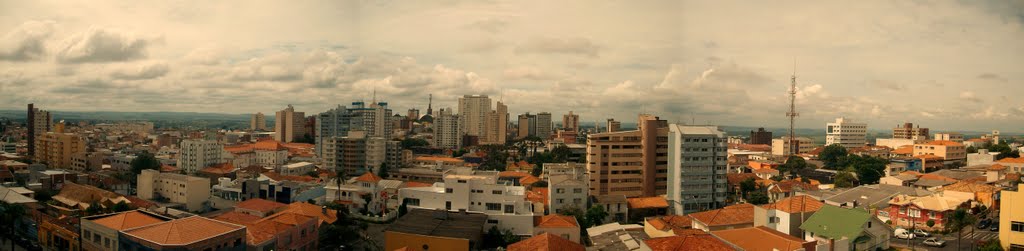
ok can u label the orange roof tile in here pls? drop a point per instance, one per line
(996, 167)
(303, 208)
(789, 185)
(538, 194)
(760, 238)
(260, 205)
(267, 228)
(677, 223)
(126, 220)
(971, 187)
(657, 223)
(730, 215)
(239, 149)
(943, 143)
(691, 241)
(369, 177)
(438, 158)
(269, 145)
(1011, 160)
(796, 204)
(513, 174)
(168, 168)
(557, 221)
(545, 242)
(415, 184)
(904, 150)
(237, 218)
(528, 180)
(182, 231)
(220, 169)
(647, 202)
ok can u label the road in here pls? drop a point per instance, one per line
(5, 245)
(969, 236)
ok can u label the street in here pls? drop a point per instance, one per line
(970, 236)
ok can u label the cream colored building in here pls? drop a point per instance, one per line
(951, 136)
(192, 192)
(496, 126)
(447, 130)
(473, 110)
(950, 151)
(289, 125)
(846, 133)
(568, 186)
(56, 148)
(895, 143)
(476, 191)
(258, 122)
(780, 146)
(1011, 219)
(631, 163)
(571, 122)
(196, 154)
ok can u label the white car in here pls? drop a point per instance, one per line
(935, 242)
(921, 233)
(903, 234)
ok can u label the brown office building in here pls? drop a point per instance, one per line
(631, 163)
(908, 131)
(761, 137)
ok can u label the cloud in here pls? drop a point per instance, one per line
(991, 76)
(26, 42)
(98, 45)
(573, 46)
(970, 96)
(490, 25)
(887, 85)
(528, 72)
(483, 45)
(141, 71)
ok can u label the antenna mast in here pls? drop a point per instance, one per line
(793, 148)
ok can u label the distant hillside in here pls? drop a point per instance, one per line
(160, 119)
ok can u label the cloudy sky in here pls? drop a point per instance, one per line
(944, 64)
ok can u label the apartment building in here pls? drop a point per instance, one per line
(477, 191)
(356, 153)
(896, 143)
(613, 126)
(496, 126)
(631, 163)
(951, 136)
(373, 120)
(1011, 219)
(543, 126)
(951, 152)
(697, 166)
(846, 133)
(289, 125)
(101, 232)
(781, 146)
(571, 122)
(87, 162)
(190, 191)
(258, 122)
(56, 148)
(447, 130)
(196, 154)
(908, 131)
(761, 137)
(39, 122)
(567, 186)
(473, 111)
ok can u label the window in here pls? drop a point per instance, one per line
(931, 214)
(86, 233)
(462, 181)
(449, 190)
(448, 205)
(560, 190)
(96, 238)
(498, 192)
(773, 219)
(510, 209)
(1017, 226)
(490, 221)
(106, 242)
(577, 201)
(577, 190)
(412, 202)
(493, 206)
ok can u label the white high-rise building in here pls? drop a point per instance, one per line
(289, 125)
(476, 191)
(373, 121)
(697, 166)
(473, 110)
(497, 125)
(846, 133)
(447, 131)
(196, 154)
(258, 122)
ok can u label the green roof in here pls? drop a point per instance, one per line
(836, 223)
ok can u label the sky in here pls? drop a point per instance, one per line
(947, 65)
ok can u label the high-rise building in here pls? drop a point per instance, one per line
(697, 165)
(413, 114)
(951, 136)
(846, 133)
(571, 122)
(56, 148)
(497, 125)
(289, 125)
(447, 131)
(258, 122)
(908, 131)
(473, 110)
(781, 145)
(196, 154)
(356, 153)
(761, 137)
(524, 126)
(39, 122)
(631, 163)
(543, 125)
(613, 126)
(374, 121)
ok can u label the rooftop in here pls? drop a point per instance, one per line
(693, 241)
(1011, 160)
(545, 242)
(971, 187)
(836, 222)
(260, 205)
(730, 215)
(127, 220)
(943, 143)
(441, 223)
(932, 202)
(556, 221)
(760, 239)
(237, 218)
(647, 202)
(796, 204)
(610, 199)
(183, 231)
(369, 177)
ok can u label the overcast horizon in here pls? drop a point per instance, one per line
(947, 64)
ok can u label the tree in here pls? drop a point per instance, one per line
(961, 219)
(498, 238)
(343, 234)
(845, 178)
(560, 154)
(403, 208)
(10, 216)
(541, 184)
(596, 215)
(313, 174)
(94, 209)
(972, 149)
(121, 207)
(793, 165)
(143, 161)
(758, 198)
(831, 154)
(930, 223)
(747, 186)
(869, 169)
(383, 170)
(409, 143)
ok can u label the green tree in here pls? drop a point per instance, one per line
(869, 169)
(344, 232)
(972, 149)
(757, 198)
(845, 178)
(831, 154)
(144, 160)
(93, 209)
(560, 154)
(961, 219)
(495, 238)
(746, 186)
(991, 245)
(403, 208)
(121, 207)
(10, 216)
(793, 165)
(595, 215)
(409, 143)
(383, 170)
(930, 223)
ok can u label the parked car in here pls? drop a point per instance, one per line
(995, 226)
(922, 233)
(935, 242)
(983, 224)
(900, 233)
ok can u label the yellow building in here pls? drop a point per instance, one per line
(58, 234)
(56, 148)
(1011, 219)
(631, 163)
(423, 230)
(951, 152)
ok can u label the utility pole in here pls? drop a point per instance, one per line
(793, 148)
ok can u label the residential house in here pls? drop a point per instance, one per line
(729, 217)
(763, 239)
(424, 229)
(545, 242)
(191, 192)
(642, 207)
(921, 211)
(669, 225)
(1013, 164)
(74, 197)
(568, 188)
(477, 191)
(259, 207)
(100, 232)
(58, 233)
(617, 207)
(981, 193)
(899, 180)
(835, 228)
(786, 188)
(615, 236)
(693, 240)
(788, 214)
(560, 225)
(191, 233)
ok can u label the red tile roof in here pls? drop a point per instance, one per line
(182, 231)
(260, 205)
(369, 177)
(647, 202)
(269, 145)
(1011, 160)
(220, 169)
(730, 215)
(415, 184)
(545, 242)
(904, 150)
(996, 167)
(677, 223)
(126, 220)
(237, 218)
(528, 180)
(691, 241)
(557, 221)
(538, 194)
(796, 204)
(943, 143)
(303, 208)
(760, 238)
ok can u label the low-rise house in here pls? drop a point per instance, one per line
(642, 207)
(693, 240)
(899, 180)
(835, 228)
(58, 233)
(366, 191)
(567, 189)
(563, 226)
(616, 206)
(1013, 164)
(215, 172)
(259, 207)
(477, 191)
(423, 229)
(74, 197)
(191, 233)
(983, 194)
(615, 236)
(100, 232)
(763, 238)
(729, 217)
(786, 188)
(899, 165)
(669, 225)
(788, 214)
(191, 192)
(872, 197)
(545, 242)
(922, 211)
(300, 168)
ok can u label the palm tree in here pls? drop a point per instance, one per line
(960, 220)
(10, 215)
(337, 181)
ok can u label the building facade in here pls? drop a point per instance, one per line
(190, 191)
(567, 186)
(543, 126)
(631, 163)
(613, 126)
(908, 131)
(447, 130)
(289, 125)
(846, 133)
(761, 137)
(697, 165)
(1011, 223)
(571, 122)
(56, 148)
(258, 122)
(473, 111)
(39, 122)
(951, 152)
(374, 121)
(951, 136)
(496, 126)
(781, 146)
(197, 154)
(477, 191)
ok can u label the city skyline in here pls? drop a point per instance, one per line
(941, 65)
